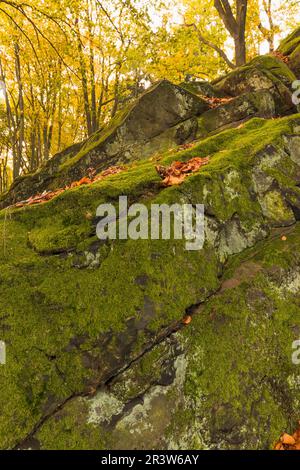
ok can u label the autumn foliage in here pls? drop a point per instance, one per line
(92, 178)
(178, 171)
(215, 102)
(288, 442)
(281, 56)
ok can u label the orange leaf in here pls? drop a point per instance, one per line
(173, 180)
(287, 439)
(187, 320)
(84, 180)
(278, 446)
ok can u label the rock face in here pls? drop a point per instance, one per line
(266, 73)
(224, 382)
(98, 355)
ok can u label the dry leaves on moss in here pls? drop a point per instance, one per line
(48, 195)
(281, 56)
(178, 171)
(215, 102)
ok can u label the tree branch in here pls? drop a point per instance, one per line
(210, 44)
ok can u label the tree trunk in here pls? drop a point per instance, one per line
(235, 25)
(84, 81)
(240, 50)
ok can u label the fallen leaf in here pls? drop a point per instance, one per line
(288, 442)
(88, 216)
(215, 102)
(187, 320)
(113, 170)
(48, 195)
(281, 56)
(278, 446)
(287, 439)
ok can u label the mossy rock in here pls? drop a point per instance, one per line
(75, 311)
(290, 47)
(233, 113)
(164, 116)
(225, 381)
(202, 88)
(262, 73)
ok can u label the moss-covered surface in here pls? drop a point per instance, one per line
(226, 381)
(236, 111)
(267, 73)
(256, 75)
(290, 43)
(163, 117)
(75, 311)
(202, 88)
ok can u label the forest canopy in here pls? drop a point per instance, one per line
(68, 67)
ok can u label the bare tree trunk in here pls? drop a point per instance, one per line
(84, 81)
(269, 34)
(236, 26)
(59, 123)
(93, 110)
(116, 90)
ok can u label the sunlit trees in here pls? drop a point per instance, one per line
(68, 66)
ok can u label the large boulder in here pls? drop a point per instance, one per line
(202, 88)
(236, 111)
(97, 356)
(226, 381)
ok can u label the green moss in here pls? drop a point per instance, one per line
(240, 348)
(69, 430)
(240, 388)
(274, 65)
(276, 208)
(56, 317)
(289, 44)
